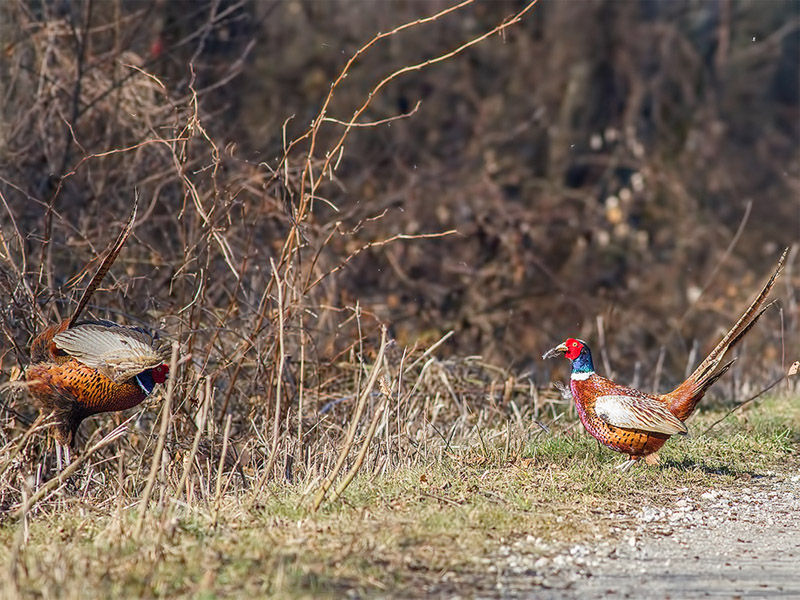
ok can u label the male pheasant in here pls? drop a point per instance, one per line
(633, 422)
(81, 368)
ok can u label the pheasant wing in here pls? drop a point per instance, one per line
(117, 352)
(638, 412)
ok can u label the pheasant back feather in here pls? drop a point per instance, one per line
(117, 352)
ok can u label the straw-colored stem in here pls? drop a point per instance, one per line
(187, 467)
(351, 432)
(362, 453)
(166, 414)
(273, 453)
(221, 466)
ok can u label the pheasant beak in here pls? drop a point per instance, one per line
(553, 352)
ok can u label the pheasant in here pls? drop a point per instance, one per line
(633, 422)
(81, 368)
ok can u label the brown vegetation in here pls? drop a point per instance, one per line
(614, 169)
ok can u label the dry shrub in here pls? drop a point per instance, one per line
(296, 199)
(240, 262)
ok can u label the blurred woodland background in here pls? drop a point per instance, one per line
(623, 171)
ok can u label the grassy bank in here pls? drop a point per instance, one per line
(407, 529)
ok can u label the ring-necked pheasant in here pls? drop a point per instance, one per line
(81, 368)
(633, 422)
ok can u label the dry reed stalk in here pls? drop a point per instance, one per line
(601, 335)
(20, 537)
(755, 396)
(273, 453)
(301, 389)
(725, 255)
(430, 350)
(166, 416)
(382, 409)
(120, 488)
(400, 399)
(691, 359)
(377, 367)
(659, 367)
(205, 393)
(36, 426)
(220, 467)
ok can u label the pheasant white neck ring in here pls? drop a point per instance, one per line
(581, 375)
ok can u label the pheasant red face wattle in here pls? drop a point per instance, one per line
(160, 373)
(574, 348)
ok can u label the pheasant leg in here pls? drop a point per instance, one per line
(62, 464)
(59, 463)
(626, 465)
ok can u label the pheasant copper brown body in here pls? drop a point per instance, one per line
(92, 367)
(633, 422)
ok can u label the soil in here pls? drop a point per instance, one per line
(739, 542)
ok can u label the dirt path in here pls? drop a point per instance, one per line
(741, 543)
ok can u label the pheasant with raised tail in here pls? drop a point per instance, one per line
(81, 368)
(636, 423)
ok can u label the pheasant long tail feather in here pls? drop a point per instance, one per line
(742, 326)
(691, 390)
(105, 266)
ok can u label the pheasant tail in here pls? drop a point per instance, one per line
(105, 266)
(685, 397)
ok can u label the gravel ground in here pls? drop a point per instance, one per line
(733, 543)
